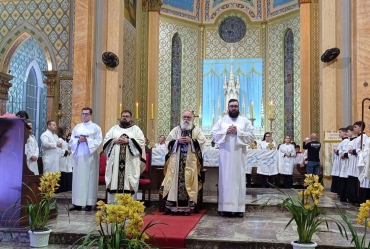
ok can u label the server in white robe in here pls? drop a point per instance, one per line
(161, 143)
(347, 144)
(287, 159)
(233, 133)
(85, 140)
(50, 148)
(65, 164)
(335, 184)
(32, 151)
(353, 183)
(364, 176)
(124, 146)
(184, 161)
(267, 173)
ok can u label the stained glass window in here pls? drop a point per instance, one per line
(232, 29)
(176, 81)
(289, 84)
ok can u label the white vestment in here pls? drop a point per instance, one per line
(32, 149)
(86, 164)
(232, 160)
(273, 170)
(65, 164)
(287, 163)
(134, 159)
(364, 165)
(50, 152)
(335, 171)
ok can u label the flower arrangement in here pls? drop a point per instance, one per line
(362, 219)
(120, 225)
(305, 211)
(39, 211)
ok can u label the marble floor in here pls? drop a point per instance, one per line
(257, 229)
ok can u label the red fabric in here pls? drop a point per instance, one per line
(147, 163)
(173, 234)
(102, 165)
(144, 181)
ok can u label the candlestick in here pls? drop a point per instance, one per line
(252, 110)
(271, 110)
(152, 111)
(137, 111)
(120, 110)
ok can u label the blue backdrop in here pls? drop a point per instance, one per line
(251, 87)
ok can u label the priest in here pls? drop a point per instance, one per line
(233, 133)
(51, 148)
(85, 140)
(183, 164)
(124, 146)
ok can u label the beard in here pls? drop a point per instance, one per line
(234, 114)
(186, 125)
(125, 123)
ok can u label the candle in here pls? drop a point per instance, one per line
(120, 109)
(152, 111)
(252, 111)
(137, 111)
(271, 110)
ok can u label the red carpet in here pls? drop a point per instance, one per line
(174, 233)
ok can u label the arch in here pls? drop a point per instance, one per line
(176, 63)
(16, 37)
(233, 12)
(289, 83)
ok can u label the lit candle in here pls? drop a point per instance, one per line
(252, 111)
(120, 109)
(152, 111)
(271, 112)
(137, 111)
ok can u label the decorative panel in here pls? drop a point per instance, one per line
(289, 84)
(128, 81)
(66, 86)
(248, 47)
(276, 8)
(187, 9)
(27, 52)
(189, 40)
(275, 75)
(51, 17)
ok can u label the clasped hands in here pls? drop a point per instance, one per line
(184, 140)
(82, 139)
(121, 140)
(232, 129)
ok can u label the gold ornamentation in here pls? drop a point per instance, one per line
(270, 146)
(304, 1)
(4, 89)
(50, 82)
(155, 5)
(252, 146)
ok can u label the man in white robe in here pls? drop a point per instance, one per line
(51, 148)
(124, 146)
(233, 133)
(184, 161)
(32, 151)
(85, 141)
(267, 173)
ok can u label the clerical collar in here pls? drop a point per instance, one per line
(344, 138)
(126, 126)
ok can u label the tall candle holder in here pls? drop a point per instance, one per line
(252, 120)
(271, 119)
(59, 114)
(152, 143)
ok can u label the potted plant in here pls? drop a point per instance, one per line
(38, 207)
(120, 226)
(305, 211)
(362, 219)
(39, 211)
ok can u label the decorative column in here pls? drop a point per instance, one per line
(154, 7)
(305, 47)
(51, 83)
(4, 90)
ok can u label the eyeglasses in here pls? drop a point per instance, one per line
(85, 114)
(233, 106)
(126, 116)
(268, 136)
(188, 117)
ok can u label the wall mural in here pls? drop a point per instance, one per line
(187, 5)
(130, 12)
(216, 2)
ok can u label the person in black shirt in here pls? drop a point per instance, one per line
(313, 154)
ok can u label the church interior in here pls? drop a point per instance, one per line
(274, 56)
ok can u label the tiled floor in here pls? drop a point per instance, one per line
(257, 226)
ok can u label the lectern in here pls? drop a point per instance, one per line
(14, 171)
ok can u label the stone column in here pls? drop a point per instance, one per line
(305, 40)
(4, 90)
(113, 76)
(154, 7)
(83, 57)
(51, 83)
